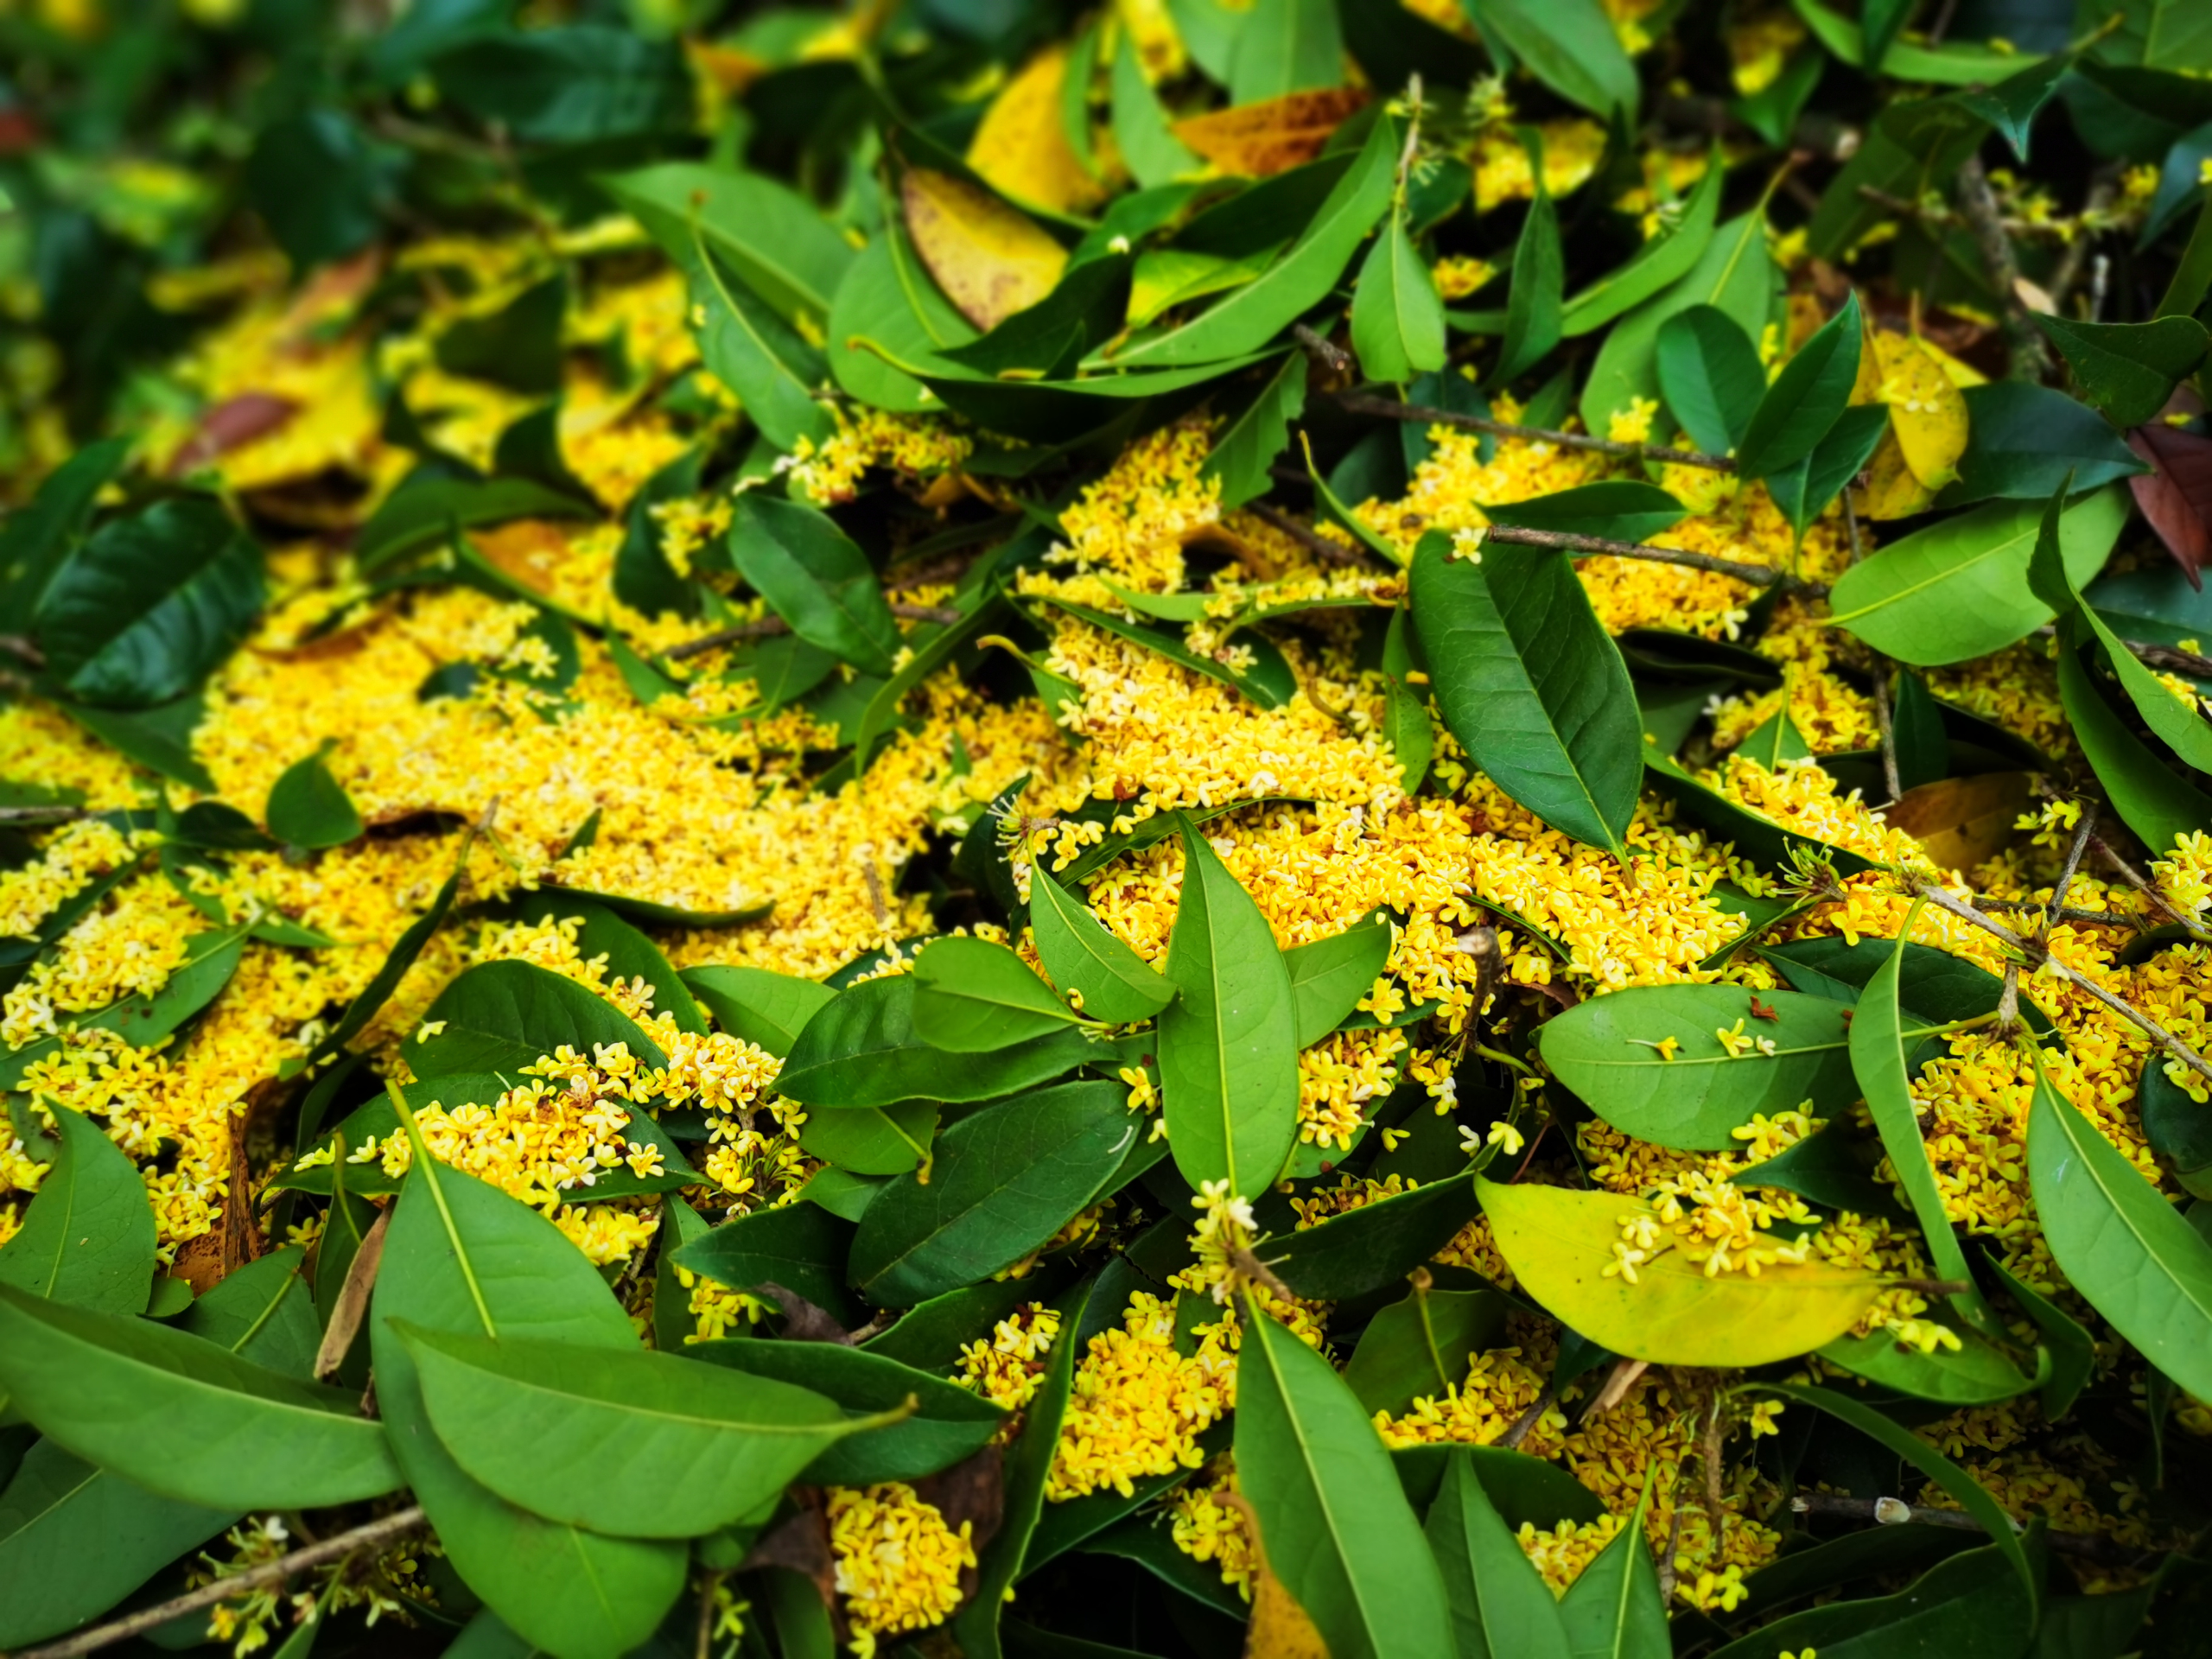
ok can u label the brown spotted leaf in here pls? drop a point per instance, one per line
(1254, 140)
(991, 259)
(1962, 821)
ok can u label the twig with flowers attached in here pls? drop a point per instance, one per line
(1354, 403)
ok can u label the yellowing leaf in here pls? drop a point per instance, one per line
(1559, 1244)
(1892, 490)
(1928, 413)
(1021, 147)
(1962, 821)
(990, 260)
(1279, 1629)
(1964, 376)
(1254, 140)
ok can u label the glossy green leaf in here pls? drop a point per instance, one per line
(2023, 441)
(814, 578)
(1329, 976)
(1569, 45)
(888, 300)
(308, 808)
(1251, 444)
(428, 506)
(2178, 1129)
(263, 1311)
(949, 1422)
(630, 956)
(2156, 803)
(1365, 1250)
(972, 996)
(370, 1001)
(147, 605)
(1968, 1608)
(1410, 731)
(1959, 588)
(1254, 315)
(87, 1239)
(1623, 509)
(1337, 1529)
(766, 1008)
(1811, 391)
(2128, 370)
(1610, 1051)
(182, 1415)
(1975, 1373)
(2119, 1242)
(1227, 1043)
(1614, 1609)
(1421, 1345)
(771, 236)
(462, 1256)
(1660, 263)
(1285, 46)
(1268, 682)
(1005, 1180)
(872, 1141)
(1530, 684)
(802, 1247)
(632, 1443)
(37, 537)
(1397, 321)
(1087, 961)
(1501, 1607)
(1711, 375)
(1535, 303)
(744, 344)
(75, 1541)
(1154, 154)
(499, 1016)
(862, 1050)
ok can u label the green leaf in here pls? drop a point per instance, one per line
(1614, 1610)
(2023, 441)
(1336, 1528)
(148, 606)
(2156, 803)
(972, 996)
(1329, 976)
(1228, 1044)
(2119, 1242)
(862, 1050)
(887, 299)
(2072, 1351)
(766, 1008)
(1397, 320)
(1975, 1373)
(1285, 46)
(1534, 302)
(1962, 1487)
(2011, 104)
(1501, 1606)
(75, 1541)
(949, 1422)
(1624, 509)
(1711, 375)
(87, 1239)
(1004, 1181)
(1970, 1605)
(1569, 45)
(1734, 273)
(374, 995)
(2128, 370)
(1088, 960)
(263, 1311)
(801, 1246)
(308, 808)
(631, 1443)
(1409, 732)
(2178, 1128)
(1366, 1249)
(1663, 260)
(517, 346)
(1951, 64)
(1251, 317)
(1421, 1345)
(1530, 684)
(1559, 1245)
(428, 506)
(1154, 154)
(1803, 403)
(776, 240)
(814, 578)
(1268, 682)
(36, 537)
(630, 956)
(183, 1416)
(1249, 445)
(570, 84)
(1958, 589)
(1607, 1050)
(873, 1141)
(499, 1016)
(754, 352)
(462, 1256)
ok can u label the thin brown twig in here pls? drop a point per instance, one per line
(1528, 1420)
(1896, 1512)
(1307, 537)
(2134, 877)
(2030, 353)
(2082, 839)
(1758, 575)
(1320, 347)
(2041, 955)
(1427, 415)
(2153, 655)
(767, 626)
(376, 1533)
(2095, 918)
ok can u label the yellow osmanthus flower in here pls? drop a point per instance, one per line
(897, 1561)
(1007, 1366)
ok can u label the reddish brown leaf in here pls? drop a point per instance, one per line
(803, 1320)
(353, 1302)
(2177, 497)
(1256, 140)
(231, 424)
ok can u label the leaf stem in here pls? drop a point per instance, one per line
(1429, 415)
(1758, 575)
(394, 1526)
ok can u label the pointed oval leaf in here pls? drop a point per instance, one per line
(500, 1015)
(1796, 411)
(1559, 1244)
(1967, 1607)
(814, 578)
(1228, 1044)
(799, 1246)
(2128, 370)
(1329, 976)
(1626, 509)
(1710, 376)
(766, 1008)
(309, 808)
(1085, 959)
(862, 1050)
(88, 1237)
(1363, 1250)
(1501, 1606)
(1613, 1610)
(972, 996)
(1530, 683)
(182, 1416)
(1397, 321)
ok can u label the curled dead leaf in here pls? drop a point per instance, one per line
(991, 259)
(1963, 821)
(1254, 140)
(353, 1301)
(231, 424)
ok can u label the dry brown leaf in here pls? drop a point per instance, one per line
(353, 1301)
(1254, 140)
(1963, 821)
(991, 259)
(230, 424)
(1021, 147)
(2177, 497)
(803, 1320)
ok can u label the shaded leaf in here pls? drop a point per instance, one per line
(813, 577)
(2128, 370)
(1329, 976)
(308, 808)
(1089, 962)
(1796, 411)
(766, 1008)
(87, 1239)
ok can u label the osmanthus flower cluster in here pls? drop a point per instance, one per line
(1296, 827)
